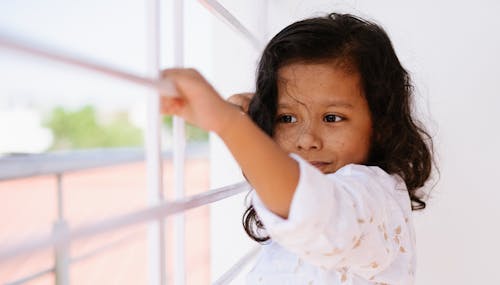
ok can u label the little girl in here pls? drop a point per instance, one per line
(330, 147)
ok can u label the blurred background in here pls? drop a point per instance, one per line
(449, 47)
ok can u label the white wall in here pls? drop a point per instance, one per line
(452, 50)
(234, 67)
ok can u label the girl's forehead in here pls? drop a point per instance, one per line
(321, 83)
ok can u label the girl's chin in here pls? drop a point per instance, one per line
(326, 169)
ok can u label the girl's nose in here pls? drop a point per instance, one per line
(309, 140)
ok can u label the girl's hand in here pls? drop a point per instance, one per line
(241, 100)
(269, 169)
(196, 101)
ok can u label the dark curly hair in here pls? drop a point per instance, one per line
(399, 144)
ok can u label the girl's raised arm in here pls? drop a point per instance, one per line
(269, 169)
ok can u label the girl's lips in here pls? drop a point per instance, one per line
(319, 163)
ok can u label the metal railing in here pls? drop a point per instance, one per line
(59, 163)
(15, 166)
(163, 210)
(20, 166)
(76, 259)
(62, 235)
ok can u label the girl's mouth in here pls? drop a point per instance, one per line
(319, 164)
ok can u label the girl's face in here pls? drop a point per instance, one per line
(323, 115)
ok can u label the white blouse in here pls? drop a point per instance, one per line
(353, 227)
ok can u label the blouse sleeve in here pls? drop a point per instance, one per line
(351, 218)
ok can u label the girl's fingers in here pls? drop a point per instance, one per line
(241, 100)
(196, 101)
(171, 105)
(171, 100)
(168, 88)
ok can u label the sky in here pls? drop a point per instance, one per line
(111, 33)
(104, 34)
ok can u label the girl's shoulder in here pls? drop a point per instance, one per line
(370, 175)
(362, 172)
(357, 179)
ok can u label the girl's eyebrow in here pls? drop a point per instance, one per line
(339, 104)
(283, 105)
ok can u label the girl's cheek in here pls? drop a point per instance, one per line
(284, 138)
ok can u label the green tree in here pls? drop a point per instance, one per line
(81, 129)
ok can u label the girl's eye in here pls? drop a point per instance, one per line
(332, 118)
(287, 119)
